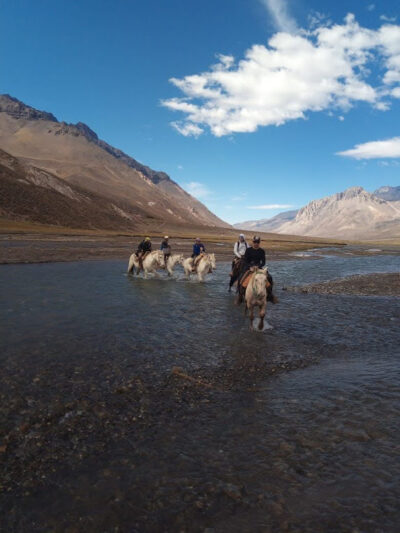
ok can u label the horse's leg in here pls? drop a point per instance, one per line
(251, 316)
(262, 315)
(169, 270)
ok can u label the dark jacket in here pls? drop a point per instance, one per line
(198, 249)
(144, 246)
(254, 257)
(165, 247)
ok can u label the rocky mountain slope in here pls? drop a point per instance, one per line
(31, 194)
(267, 224)
(73, 154)
(352, 214)
(391, 194)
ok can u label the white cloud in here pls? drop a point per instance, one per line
(316, 18)
(180, 167)
(196, 189)
(374, 150)
(187, 129)
(279, 11)
(327, 68)
(385, 18)
(371, 7)
(270, 206)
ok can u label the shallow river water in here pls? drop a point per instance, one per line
(149, 405)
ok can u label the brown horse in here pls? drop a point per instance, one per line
(238, 267)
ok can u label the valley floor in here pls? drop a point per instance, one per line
(43, 248)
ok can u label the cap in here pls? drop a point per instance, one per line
(256, 239)
(166, 237)
(197, 238)
(147, 238)
(241, 235)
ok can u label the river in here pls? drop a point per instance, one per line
(149, 405)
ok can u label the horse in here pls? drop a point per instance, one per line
(205, 266)
(172, 260)
(238, 267)
(151, 263)
(255, 295)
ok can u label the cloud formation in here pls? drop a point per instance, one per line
(388, 148)
(196, 189)
(328, 68)
(280, 14)
(270, 206)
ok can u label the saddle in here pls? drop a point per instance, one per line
(247, 277)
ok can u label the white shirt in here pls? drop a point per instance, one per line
(240, 249)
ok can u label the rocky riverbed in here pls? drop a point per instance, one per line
(136, 405)
(377, 284)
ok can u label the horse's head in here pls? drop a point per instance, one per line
(259, 282)
(177, 259)
(212, 261)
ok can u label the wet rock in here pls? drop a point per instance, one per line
(233, 491)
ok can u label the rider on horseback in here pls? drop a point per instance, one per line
(254, 258)
(166, 250)
(198, 251)
(239, 250)
(144, 248)
(240, 247)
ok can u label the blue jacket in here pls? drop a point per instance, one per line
(198, 248)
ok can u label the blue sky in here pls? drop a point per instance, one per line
(293, 84)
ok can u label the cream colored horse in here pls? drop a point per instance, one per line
(172, 261)
(151, 263)
(205, 266)
(256, 296)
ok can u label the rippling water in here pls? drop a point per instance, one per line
(315, 449)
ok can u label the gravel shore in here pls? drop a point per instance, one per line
(364, 285)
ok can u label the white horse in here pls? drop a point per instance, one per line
(205, 266)
(256, 295)
(173, 260)
(151, 263)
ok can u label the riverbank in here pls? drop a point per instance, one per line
(39, 248)
(376, 284)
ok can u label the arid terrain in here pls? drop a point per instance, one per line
(31, 243)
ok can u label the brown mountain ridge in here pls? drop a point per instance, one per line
(45, 163)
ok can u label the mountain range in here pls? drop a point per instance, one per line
(63, 174)
(351, 214)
